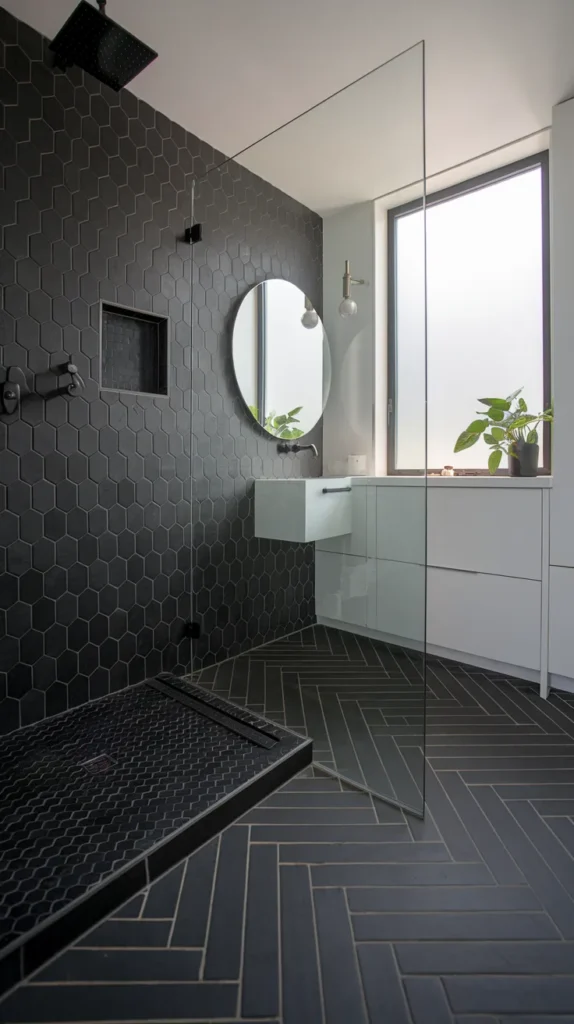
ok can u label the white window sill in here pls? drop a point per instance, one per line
(524, 482)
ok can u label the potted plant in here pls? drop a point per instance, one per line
(507, 427)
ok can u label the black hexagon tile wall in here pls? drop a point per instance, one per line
(120, 512)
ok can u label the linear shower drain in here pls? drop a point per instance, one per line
(98, 765)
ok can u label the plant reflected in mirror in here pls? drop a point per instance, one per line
(279, 426)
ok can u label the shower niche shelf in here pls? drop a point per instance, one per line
(134, 350)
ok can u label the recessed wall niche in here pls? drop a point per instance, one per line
(134, 347)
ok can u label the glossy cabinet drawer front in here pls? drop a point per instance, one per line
(489, 616)
(401, 599)
(401, 523)
(355, 542)
(344, 587)
(487, 531)
(561, 649)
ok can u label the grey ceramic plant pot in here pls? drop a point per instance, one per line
(525, 462)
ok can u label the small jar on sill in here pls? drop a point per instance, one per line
(447, 471)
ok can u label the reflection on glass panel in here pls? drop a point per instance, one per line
(355, 680)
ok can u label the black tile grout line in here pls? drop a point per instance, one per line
(22, 944)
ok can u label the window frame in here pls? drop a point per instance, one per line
(434, 199)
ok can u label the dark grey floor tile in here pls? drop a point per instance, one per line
(362, 853)
(551, 808)
(526, 776)
(490, 926)
(553, 789)
(190, 924)
(224, 939)
(487, 842)
(329, 833)
(76, 1004)
(163, 894)
(349, 800)
(543, 838)
(449, 825)
(485, 957)
(563, 829)
(529, 995)
(124, 965)
(504, 762)
(437, 898)
(553, 897)
(153, 934)
(302, 785)
(427, 1001)
(342, 991)
(309, 816)
(299, 954)
(260, 989)
(401, 874)
(382, 986)
(132, 908)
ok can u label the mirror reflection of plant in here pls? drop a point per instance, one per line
(507, 422)
(280, 426)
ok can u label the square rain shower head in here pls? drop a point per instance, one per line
(101, 47)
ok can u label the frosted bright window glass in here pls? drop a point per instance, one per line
(485, 315)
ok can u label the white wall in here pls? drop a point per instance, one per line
(348, 418)
(294, 365)
(562, 272)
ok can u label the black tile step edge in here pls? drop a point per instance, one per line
(64, 928)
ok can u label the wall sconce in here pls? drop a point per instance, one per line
(310, 317)
(348, 306)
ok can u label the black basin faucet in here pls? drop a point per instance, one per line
(284, 448)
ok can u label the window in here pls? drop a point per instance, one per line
(487, 312)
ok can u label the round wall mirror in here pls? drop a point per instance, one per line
(281, 359)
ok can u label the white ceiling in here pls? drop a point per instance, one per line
(232, 72)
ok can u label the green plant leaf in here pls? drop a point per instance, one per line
(532, 437)
(490, 439)
(514, 395)
(253, 411)
(477, 427)
(522, 405)
(497, 415)
(496, 403)
(494, 460)
(295, 411)
(466, 440)
(498, 433)
(522, 421)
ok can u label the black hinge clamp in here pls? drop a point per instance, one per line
(194, 234)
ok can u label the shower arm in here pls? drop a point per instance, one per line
(102, 6)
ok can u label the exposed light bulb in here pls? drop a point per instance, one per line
(348, 307)
(310, 318)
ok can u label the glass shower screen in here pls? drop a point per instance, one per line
(297, 295)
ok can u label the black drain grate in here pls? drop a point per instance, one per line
(98, 765)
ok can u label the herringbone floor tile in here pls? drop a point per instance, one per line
(324, 906)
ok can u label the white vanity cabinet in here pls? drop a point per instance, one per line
(481, 547)
(561, 640)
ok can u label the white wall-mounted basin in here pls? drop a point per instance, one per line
(303, 510)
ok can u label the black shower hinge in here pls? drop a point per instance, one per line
(194, 234)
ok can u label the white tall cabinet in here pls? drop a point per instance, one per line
(467, 558)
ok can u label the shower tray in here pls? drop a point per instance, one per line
(100, 801)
